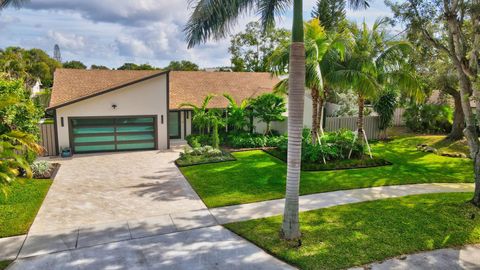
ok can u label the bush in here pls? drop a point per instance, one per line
(200, 140)
(334, 146)
(429, 118)
(41, 169)
(254, 140)
(202, 155)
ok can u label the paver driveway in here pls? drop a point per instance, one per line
(115, 187)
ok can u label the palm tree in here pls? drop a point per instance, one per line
(214, 19)
(323, 50)
(374, 64)
(14, 3)
(236, 114)
(200, 117)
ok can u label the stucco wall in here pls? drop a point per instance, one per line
(145, 98)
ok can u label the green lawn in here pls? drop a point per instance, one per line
(4, 264)
(257, 176)
(356, 234)
(20, 205)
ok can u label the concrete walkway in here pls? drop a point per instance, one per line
(243, 212)
(467, 257)
(206, 248)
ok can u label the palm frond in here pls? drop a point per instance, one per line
(13, 3)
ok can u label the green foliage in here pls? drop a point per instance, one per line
(385, 107)
(331, 13)
(252, 48)
(334, 146)
(20, 113)
(41, 169)
(74, 64)
(237, 115)
(196, 140)
(18, 131)
(429, 118)
(99, 67)
(132, 66)
(202, 155)
(215, 137)
(184, 65)
(269, 108)
(254, 140)
(28, 65)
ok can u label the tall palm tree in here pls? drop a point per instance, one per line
(323, 50)
(14, 3)
(374, 64)
(214, 19)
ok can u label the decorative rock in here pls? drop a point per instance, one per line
(430, 149)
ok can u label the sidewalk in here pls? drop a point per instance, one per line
(242, 212)
(467, 257)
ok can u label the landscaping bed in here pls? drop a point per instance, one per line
(203, 155)
(20, 204)
(365, 162)
(356, 234)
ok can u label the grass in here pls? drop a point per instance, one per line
(257, 176)
(357, 234)
(19, 207)
(333, 165)
(4, 264)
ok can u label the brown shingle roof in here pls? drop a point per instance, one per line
(71, 85)
(194, 86)
(75, 84)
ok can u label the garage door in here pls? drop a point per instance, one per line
(94, 134)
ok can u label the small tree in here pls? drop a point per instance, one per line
(385, 107)
(269, 108)
(236, 114)
(74, 64)
(200, 114)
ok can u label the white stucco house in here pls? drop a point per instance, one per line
(115, 110)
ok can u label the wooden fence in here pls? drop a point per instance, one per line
(47, 139)
(370, 125)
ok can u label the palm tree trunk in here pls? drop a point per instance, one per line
(361, 107)
(291, 226)
(321, 111)
(315, 125)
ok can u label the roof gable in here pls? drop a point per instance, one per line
(72, 85)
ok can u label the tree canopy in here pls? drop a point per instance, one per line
(183, 65)
(75, 64)
(133, 66)
(250, 50)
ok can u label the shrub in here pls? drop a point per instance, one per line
(334, 146)
(195, 140)
(202, 155)
(41, 169)
(253, 140)
(429, 118)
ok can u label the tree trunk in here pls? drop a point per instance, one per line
(290, 225)
(315, 125)
(321, 111)
(458, 118)
(361, 107)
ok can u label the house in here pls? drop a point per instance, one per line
(114, 110)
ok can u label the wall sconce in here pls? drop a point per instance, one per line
(114, 106)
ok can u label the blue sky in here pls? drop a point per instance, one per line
(112, 32)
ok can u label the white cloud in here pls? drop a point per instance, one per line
(66, 40)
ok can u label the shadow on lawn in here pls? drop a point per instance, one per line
(357, 234)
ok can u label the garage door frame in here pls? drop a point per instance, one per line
(155, 131)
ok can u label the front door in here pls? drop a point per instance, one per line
(174, 125)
